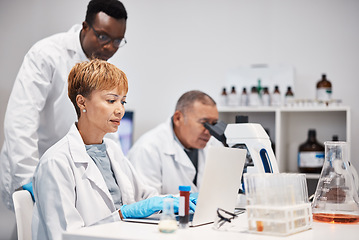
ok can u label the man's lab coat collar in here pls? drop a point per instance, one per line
(174, 147)
(169, 146)
(73, 43)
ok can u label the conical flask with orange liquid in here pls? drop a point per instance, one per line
(336, 197)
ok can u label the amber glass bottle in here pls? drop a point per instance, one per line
(289, 92)
(244, 98)
(289, 97)
(266, 97)
(223, 98)
(276, 97)
(324, 89)
(233, 98)
(311, 154)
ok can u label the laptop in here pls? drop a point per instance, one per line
(219, 189)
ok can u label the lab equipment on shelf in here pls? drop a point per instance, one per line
(223, 98)
(244, 98)
(254, 99)
(324, 89)
(276, 97)
(233, 99)
(310, 154)
(289, 97)
(266, 100)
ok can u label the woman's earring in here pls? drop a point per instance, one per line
(84, 110)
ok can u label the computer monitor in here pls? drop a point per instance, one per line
(125, 131)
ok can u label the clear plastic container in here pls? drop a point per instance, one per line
(277, 204)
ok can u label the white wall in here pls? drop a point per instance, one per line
(178, 45)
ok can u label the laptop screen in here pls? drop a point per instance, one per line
(220, 184)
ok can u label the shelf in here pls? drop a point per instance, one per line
(315, 109)
(288, 127)
(230, 109)
(246, 109)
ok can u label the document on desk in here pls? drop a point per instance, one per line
(220, 184)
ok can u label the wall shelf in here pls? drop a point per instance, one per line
(288, 127)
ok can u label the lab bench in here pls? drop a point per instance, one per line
(132, 231)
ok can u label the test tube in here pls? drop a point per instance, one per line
(183, 210)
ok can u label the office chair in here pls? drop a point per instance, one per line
(23, 205)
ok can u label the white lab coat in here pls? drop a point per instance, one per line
(70, 191)
(39, 112)
(162, 161)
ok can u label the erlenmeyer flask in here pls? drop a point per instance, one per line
(336, 196)
(168, 223)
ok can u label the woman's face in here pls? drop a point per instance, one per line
(104, 110)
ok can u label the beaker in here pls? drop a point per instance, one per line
(168, 223)
(336, 196)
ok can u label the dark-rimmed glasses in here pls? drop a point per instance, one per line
(103, 39)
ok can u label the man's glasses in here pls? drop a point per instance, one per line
(103, 39)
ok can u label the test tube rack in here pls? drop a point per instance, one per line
(279, 220)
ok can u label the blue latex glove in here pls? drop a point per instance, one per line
(28, 187)
(193, 198)
(148, 207)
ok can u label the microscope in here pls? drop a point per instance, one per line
(250, 136)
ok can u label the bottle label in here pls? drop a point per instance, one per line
(266, 100)
(276, 99)
(223, 100)
(181, 207)
(324, 94)
(310, 159)
(244, 100)
(233, 99)
(289, 100)
(253, 100)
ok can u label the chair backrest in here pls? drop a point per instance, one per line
(23, 205)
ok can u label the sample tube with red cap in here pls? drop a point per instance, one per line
(183, 210)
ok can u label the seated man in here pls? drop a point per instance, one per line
(174, 152)
(84, 179)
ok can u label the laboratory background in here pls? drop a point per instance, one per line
(179, 45)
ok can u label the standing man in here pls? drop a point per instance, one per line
(39, 113)
(174, 152)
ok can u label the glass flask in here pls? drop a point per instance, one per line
(168, 223)
(336, 196)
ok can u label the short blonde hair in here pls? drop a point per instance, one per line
(96, 74)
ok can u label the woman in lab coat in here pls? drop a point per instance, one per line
(84, 179)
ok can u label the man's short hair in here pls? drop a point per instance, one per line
(113, 8)
(185, 102)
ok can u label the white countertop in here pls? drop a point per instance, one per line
(131, 231)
